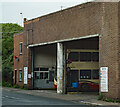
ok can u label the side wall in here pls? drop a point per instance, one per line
(109, 48)
(18, 65)
(119, 49)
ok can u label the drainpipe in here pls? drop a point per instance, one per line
(32, 67)
(59, 68)
(64, 69)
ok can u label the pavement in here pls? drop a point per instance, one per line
(89, 98)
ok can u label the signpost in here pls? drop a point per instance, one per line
(104, 79)
(25, 75)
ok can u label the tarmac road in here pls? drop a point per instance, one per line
(10, 98)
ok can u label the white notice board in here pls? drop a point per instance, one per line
(25, 75)
(104, 79)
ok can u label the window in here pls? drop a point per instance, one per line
(85, 74)
(51, 75)
(95, 56)
(20, 48)
(37, 75)
(36, 69)
(95, 74)
(85, 56)
(46, 75)
(41, 75)
(73, 56)
(43, 69)
(20, 75)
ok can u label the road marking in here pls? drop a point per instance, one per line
(10, 97)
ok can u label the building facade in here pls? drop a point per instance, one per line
(46, 39)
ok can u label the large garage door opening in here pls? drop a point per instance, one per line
(44, 66)
(82, 65)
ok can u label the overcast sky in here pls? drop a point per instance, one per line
(11, 9)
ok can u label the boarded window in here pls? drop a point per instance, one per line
(85, 56)
(73, 56)
(85, 74)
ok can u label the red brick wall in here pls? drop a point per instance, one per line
(109, 48)
(119, 48)
(24, 59)
(86, 19)
(18, 64)
(74, 22)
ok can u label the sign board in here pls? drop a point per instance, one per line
(29, 75)
(104, 79)
(25, 74)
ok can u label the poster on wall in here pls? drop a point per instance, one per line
(25, 75)
(104, 79)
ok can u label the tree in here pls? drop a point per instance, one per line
(8, 30)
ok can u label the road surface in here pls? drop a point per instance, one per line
(10, 98)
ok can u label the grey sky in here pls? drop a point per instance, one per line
(11, 10)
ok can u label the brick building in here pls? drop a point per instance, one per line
(46, 39)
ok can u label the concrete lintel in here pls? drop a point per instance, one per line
(64, 40)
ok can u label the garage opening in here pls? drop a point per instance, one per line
(44, 66)
(82, 65)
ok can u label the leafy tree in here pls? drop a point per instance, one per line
(8, 30)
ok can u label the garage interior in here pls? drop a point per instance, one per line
(82, 65)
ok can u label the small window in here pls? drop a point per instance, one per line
(43, 69)
(73, 56)
(95, 74)
(85, 74)
(85, 56)
(20, 75)
(37, 75)
(95, 56)
(46, 75)
(20, 48)
(36, 69)
(51, 75)
(41, 75)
